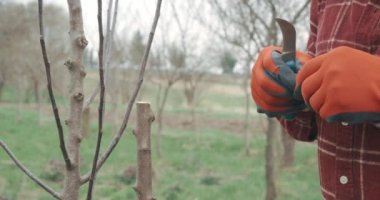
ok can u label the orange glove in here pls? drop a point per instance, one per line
(273, 83)
(342, 85)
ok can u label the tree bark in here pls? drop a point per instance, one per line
(86, 126)
(288, 144)
(271, 193)
(77, 72)
(145, 118)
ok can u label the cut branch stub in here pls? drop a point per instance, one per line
(145, 118)
(69, 64)
(78, 96)
(82, 41)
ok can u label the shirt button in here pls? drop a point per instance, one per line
(343, 180)
(344, 124)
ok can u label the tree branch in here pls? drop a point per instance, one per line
(28, 173)
(101, 102)
(300, 11)
(116, 139)
(256, 15)
(109, 39)
(111, 24)
(49, 86)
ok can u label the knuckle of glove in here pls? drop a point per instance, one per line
(262, 95)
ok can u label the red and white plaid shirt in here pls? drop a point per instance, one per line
(348, 155)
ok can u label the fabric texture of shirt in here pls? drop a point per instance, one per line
(348, 155)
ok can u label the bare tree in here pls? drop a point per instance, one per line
(192, 90)
(234, 14)
(168, 65)
(16, 72)
(71, 149)
(288, 149)
(194, 54)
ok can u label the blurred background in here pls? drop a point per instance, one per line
(208, 140)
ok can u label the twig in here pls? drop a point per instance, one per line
(111, 24)
(300, 11)
(49, 86)
(28, 173)
(107, 50)
(101, 103)
(120, 133)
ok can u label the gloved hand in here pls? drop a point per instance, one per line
(342, 85)
(273, 83)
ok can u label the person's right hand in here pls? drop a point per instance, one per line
(273, 83)
(342, 85)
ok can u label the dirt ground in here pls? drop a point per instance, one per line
(171, 120)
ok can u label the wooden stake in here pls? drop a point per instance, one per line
(145, 118)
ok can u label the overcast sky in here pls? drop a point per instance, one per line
(136, 15)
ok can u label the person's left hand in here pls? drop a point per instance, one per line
(342, 85)
(273, 83)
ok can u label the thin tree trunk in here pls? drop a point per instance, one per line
(247, 96)
(20, 103)
(193, 118)
(159, 119)
(2, 84)
(115, 115)
(36, 91)
(271, 193)
(288, 144)
(77, 72)
(37, 100)
(1, 90)
(40, 111)
(158, 136)
(145, 118)
(194, 123)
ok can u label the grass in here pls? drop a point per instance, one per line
(205, 165)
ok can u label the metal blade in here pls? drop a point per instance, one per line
(289, 40)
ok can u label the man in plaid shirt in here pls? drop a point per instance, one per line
(339, 81)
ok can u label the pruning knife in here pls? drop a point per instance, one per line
(289, 43)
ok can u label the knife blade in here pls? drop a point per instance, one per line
(289, 40)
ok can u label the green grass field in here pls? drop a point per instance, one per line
(207, 165)
(211, 166)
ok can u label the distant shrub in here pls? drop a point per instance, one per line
(129, 175)
(208, 177)
(210, 180)
(173, 192)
